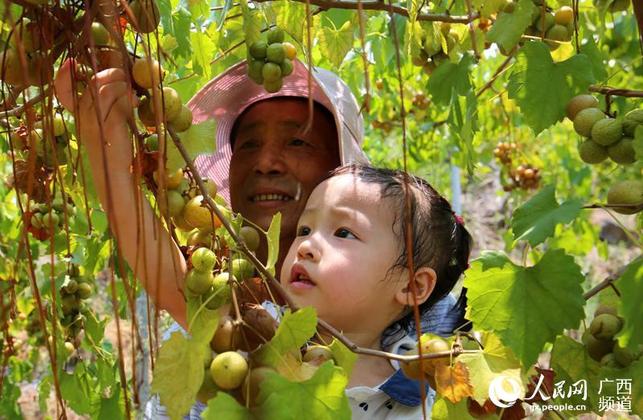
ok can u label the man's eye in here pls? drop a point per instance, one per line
(247, 144)
(303, 231)
(298, 142)
(345, 233)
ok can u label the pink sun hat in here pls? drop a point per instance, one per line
(225, 97)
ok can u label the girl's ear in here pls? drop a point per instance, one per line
(424, 280)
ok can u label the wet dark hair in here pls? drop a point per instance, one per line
(325, 112)
(439, 238)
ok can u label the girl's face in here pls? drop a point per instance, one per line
(341, 255)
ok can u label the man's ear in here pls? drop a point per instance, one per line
(424, 280)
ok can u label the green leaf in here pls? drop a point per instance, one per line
(202, 321)
(343, 356)
(509, 27)
(451, 79)
(77, 390)
(178, 374)
(488, 7)
(590, 49)
(638, 142)
(111, 408)
(273, 242)
(336, 43)
(630, 284)
(493, 361)
(252, 23)
(197, 140)
(203, 50)
(444, 409)
(498, 296)
(320, 397)
(198, 8)
(293, 332)
(536, 220)
(94, 328)
(224, 406)
(542, 88)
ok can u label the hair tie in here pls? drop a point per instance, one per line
(458, 219)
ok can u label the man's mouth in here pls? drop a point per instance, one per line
(270, 197)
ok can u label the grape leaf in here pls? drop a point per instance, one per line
(451, 79)
(203, 321)
(571, 363)
(252, 23)
(638, 142)
(320, 397)
(288, 15)
(536, 219)
(590, 49)
(202, 53)
(224, 406)
(78, 390)
(197, 139)
(336, 43)
(178, 374)
(112, 407)
(630, 285)
(343, 356)
(273, 242)
(444, 409)
(293, 332)
(493, 361)
(453, 382)
(509, 27)
(488, 7)
(542, 88)
(499, 301)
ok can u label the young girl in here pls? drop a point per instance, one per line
(349, 261)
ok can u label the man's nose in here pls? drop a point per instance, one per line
(307, 250)
(270, 160)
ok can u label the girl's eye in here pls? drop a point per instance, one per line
(303, 231)
(345, 233)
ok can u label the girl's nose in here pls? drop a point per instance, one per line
(308, 251)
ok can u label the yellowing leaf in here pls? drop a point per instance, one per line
(453, 382)
(273, 242)
(292, 368)
(485, 366)
(336, 43)
(178, 374)
(293, 332)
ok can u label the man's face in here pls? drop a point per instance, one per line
(276, 164)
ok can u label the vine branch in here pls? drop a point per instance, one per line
(378, 5)
(610, 91)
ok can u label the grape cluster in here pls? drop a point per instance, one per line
(74, 290)
(435, 49)
(525, 177)
(503, 152)
(45, 219)
(270, 60)
(600, 343)
(604, 136)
